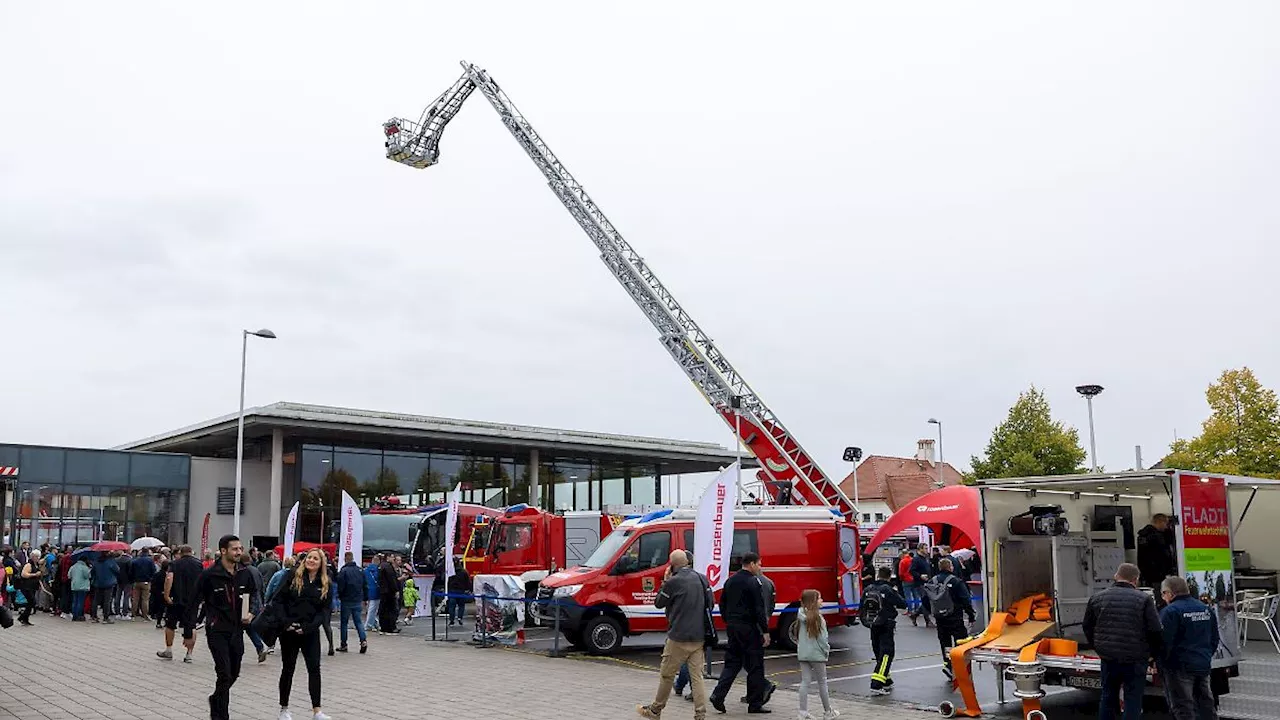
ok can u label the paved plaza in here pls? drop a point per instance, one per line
(57, 670)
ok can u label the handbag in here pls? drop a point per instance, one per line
(6, 618)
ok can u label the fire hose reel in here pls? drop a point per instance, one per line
(1040, 520)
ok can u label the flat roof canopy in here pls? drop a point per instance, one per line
(350, 427)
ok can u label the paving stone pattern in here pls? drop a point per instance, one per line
(58, 670)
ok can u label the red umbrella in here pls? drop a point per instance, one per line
(110, 546)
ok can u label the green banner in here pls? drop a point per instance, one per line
(1207, 559)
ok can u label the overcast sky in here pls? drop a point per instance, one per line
(881, 214)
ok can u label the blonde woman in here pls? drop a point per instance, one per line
(302, 603)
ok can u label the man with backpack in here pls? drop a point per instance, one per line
(950, 602)
(879, 613)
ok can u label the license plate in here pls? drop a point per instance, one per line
(1084, 681)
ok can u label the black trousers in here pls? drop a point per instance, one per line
(308, 644)
(29, 595)
(745, 651)
(227, 649)
(102, 601)
(883, 647)
(388, 611)
(951, 630)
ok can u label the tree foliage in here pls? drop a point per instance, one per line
(1030, 442)
(1242, 433)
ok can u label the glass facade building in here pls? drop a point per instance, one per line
(69, 495)
(320, 472)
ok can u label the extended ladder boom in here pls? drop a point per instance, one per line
(785, 464)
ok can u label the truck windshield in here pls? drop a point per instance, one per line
(608, 548)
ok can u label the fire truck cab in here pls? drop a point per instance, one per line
(610, 595)
(530, 544)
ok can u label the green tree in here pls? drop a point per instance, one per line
(1030, 442)
(334, 482)
(1242, 433)
(385, 482)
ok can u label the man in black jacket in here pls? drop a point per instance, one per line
(389, 593)
(352, 594)
(219, 590)
(882, 628)
(1122, 626)
(921, 571)
(747, 624)
(950, 602)
(1155, 552)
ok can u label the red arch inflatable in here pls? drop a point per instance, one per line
(950, 513)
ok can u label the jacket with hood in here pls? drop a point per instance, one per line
(371, 581)
(812, 649)
(685, 597)
(1155, 555)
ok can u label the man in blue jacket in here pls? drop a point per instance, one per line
(352, 589)
(106, 575)
(371, 591)
(1190, 639)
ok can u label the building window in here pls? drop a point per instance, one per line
(866, 517)
(879, 517)
(227, 501)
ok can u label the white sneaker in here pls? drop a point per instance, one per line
(806, 715)
(320, 716)
(285, 714)
(831, 714)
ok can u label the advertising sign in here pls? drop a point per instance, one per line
(1205, 529)
(204, 537)
(352, 538)
(713, 528)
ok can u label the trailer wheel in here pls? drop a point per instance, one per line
(602, 635)
(947, 709)
(1036, 715)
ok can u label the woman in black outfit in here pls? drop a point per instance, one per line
(29, 584)
(302, 602)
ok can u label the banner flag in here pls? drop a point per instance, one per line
(352, 538)
(450, 529)
(713, 529)
(204, 537)
(290, 529)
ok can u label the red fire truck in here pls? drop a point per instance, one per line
(530, 544)
(610, 595)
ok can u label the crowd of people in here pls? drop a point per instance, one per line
(228, 595)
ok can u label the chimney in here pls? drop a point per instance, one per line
(924, 452)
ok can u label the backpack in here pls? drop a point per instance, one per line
(869, 608)
(938, 591)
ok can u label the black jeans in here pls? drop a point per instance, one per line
(1189, 695)
(745, 651)
(102, 601)
(1122, 679)
(227, 649)
(883, 647)
(309, 644)
(29, 595)
(388, 611)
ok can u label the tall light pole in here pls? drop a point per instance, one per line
(244, 355)
(1090, 392)
(936, 421)
(853, 455)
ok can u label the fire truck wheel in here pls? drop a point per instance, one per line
(602, 635)
(947, 709)
(788, 636)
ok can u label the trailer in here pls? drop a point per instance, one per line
(1051, 542)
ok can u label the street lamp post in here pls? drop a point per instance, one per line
(1090, 392)
(244, 355)
(936, 421)
(853, 455)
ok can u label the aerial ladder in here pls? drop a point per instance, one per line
(788, 473)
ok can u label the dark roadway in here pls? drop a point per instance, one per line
(917, 673)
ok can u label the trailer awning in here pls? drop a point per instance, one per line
(950, 513)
